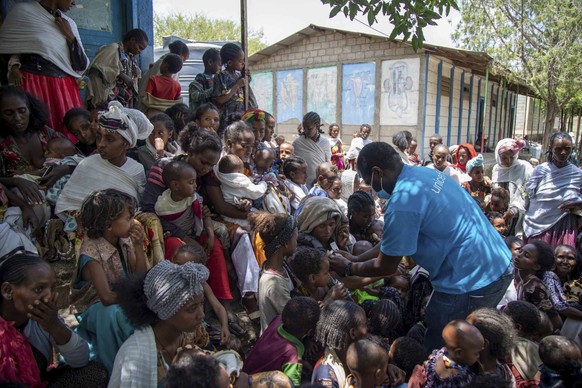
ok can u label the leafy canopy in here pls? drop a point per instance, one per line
(408, 17)
(539, 41)
(202, 28)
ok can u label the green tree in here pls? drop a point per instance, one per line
(201, 28)
(408, 17)
(536, 42)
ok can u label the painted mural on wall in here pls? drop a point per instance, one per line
(262, 85)
(289, 95)
(322, 92)
(400, 91)
(358, 90)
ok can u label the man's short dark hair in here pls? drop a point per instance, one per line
(377, 154)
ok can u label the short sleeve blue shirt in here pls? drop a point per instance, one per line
(433, 219)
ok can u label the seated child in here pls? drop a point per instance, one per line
(275, 200)
(180, 204)
(449, 366)
(59, 152)
(498, 222)
(562, 362)
(407, 354)
(156, 144)
(196, 254)
(280, 346)
(236, 186)
(341, 323)
(368, 364)
(57, 149)
(311, 267)
(263, 162)
(295, 171)
(163, 90)
(384, 319)
(196, 369)
(524, 358)
(478, 186)
(401, 283)
(284, 151)
(111, 250)
(335, 192)
(326, 173)
(499, 202)
(531, 263)
(278, 233)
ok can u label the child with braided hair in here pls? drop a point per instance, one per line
(341, 323)
(278, 233)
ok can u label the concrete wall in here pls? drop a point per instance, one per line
(328, 48)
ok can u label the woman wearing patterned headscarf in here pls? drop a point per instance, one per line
(119, 130)
(166, 305)
(512, 174)
(322, 225)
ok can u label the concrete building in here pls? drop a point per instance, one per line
(352, 78)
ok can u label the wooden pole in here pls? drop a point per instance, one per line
(244, 46)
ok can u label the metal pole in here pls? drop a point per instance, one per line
(485, 109)
(244, 46)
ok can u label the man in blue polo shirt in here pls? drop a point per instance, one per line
(432, 219)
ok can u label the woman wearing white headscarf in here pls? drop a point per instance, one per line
(512, 174)
(119, 130)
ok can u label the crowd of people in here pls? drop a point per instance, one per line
(354, 266)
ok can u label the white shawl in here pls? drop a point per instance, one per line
(314, 154)
(516, 175)
(298, 191)
(549, 187)
(93, 174)
(237, 186)
(30, 29)
(136, 365)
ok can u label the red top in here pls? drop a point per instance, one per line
(163, 87)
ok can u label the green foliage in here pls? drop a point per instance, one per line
(408, 17)
(539, 41)
(201, 28)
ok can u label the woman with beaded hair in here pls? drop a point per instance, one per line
(312, 146)
(256, 119)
